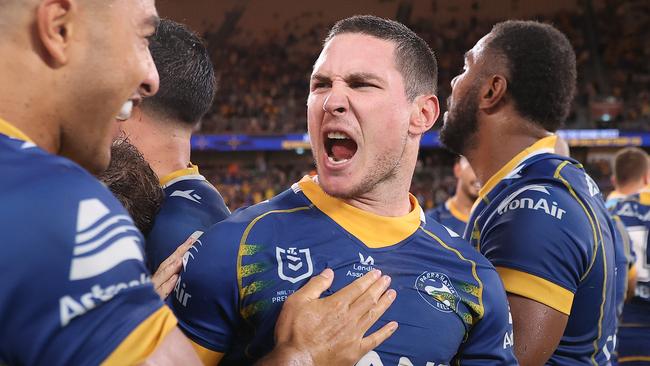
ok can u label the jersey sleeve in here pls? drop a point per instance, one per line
(206, 297)
(490, 341)
(79, 286)
(541, 242)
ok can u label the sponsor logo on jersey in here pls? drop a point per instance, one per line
(294, 264)
(372, 358)
(365, 265)
(103, 241)
(512, 203)
(70, 307)
(188, 195)
(438, 291)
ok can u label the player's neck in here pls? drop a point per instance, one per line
(490, 153)
(462, 202)
(631, 188)
(165, 147)
(27, 108)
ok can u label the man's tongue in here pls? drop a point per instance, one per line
(343, 149)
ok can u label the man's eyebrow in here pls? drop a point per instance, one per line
(467, 55)
(363, 76)
(319, 77)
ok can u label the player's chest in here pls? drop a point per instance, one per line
(432, 303)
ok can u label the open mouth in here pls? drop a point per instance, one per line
(127, 109)
(340, 147)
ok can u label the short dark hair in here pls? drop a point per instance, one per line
(414, 58)
(132, 181)
(541, 65)
(630, 165)
(187, 82)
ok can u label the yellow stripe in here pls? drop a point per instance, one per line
(12, 131)
(547, 143)
(207, 357)
(633, 358)
(644, 198)
(536, 288)
(456, 213)
(243, 247)
(615, 195)
(373, 230)
(598, 238)
(191, 170)
(473, 264)
(144, 340)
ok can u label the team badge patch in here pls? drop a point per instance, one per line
(438, 291)
(293, 265)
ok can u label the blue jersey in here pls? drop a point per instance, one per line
(75, 289)
(451, 305)
(542, 222)
(449, 216)
(191, 203)
(634, 211)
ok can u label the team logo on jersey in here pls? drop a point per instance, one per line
(366, 261)
(438, 291)
(294, 264)
(188, 195)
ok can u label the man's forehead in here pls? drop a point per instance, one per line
(355, 51)
(479, 48)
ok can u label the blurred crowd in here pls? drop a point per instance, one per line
(263, 83)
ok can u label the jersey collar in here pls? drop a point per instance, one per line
(373, 230)
(545, 145)
(455, 212)
(190, 170)
(12, 131)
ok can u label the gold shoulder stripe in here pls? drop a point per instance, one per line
(143, 340)
(536, 288)
(12, 131)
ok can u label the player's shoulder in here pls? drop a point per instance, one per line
(266, 217)
(446, 241)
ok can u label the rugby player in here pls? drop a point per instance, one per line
(631, 174)
(540, 219)
(372, 97)
(634, 211)
(161, 128)
(454, 213)
(75, 289)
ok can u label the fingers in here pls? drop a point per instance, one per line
(375, 339)
(351, 292)
(370, 297)
(316, 286)
(167, 287)
(375, 311)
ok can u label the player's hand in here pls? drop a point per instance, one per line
(166, 275)
(330, 331)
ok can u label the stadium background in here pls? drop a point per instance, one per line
(252, 144)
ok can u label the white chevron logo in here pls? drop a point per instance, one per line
(189, 194)
(114, 236)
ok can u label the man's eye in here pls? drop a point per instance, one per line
(319, 85)
(361, 84)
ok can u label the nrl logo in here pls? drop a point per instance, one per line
(293, 265)
(438, 291)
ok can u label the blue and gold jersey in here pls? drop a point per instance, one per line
(75, 290)
(449, 216)
(542, 222)
(451, 306)
(191, 203)
(634, 212)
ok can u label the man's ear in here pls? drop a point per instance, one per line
(493, 92)
(426, 110)
(54, 20)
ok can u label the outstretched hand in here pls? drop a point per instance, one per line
(166, 275)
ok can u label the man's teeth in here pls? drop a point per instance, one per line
(336, 161)
(125, 112)
(337, 135)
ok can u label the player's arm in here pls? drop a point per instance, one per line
(538, 329)
(540, 262)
